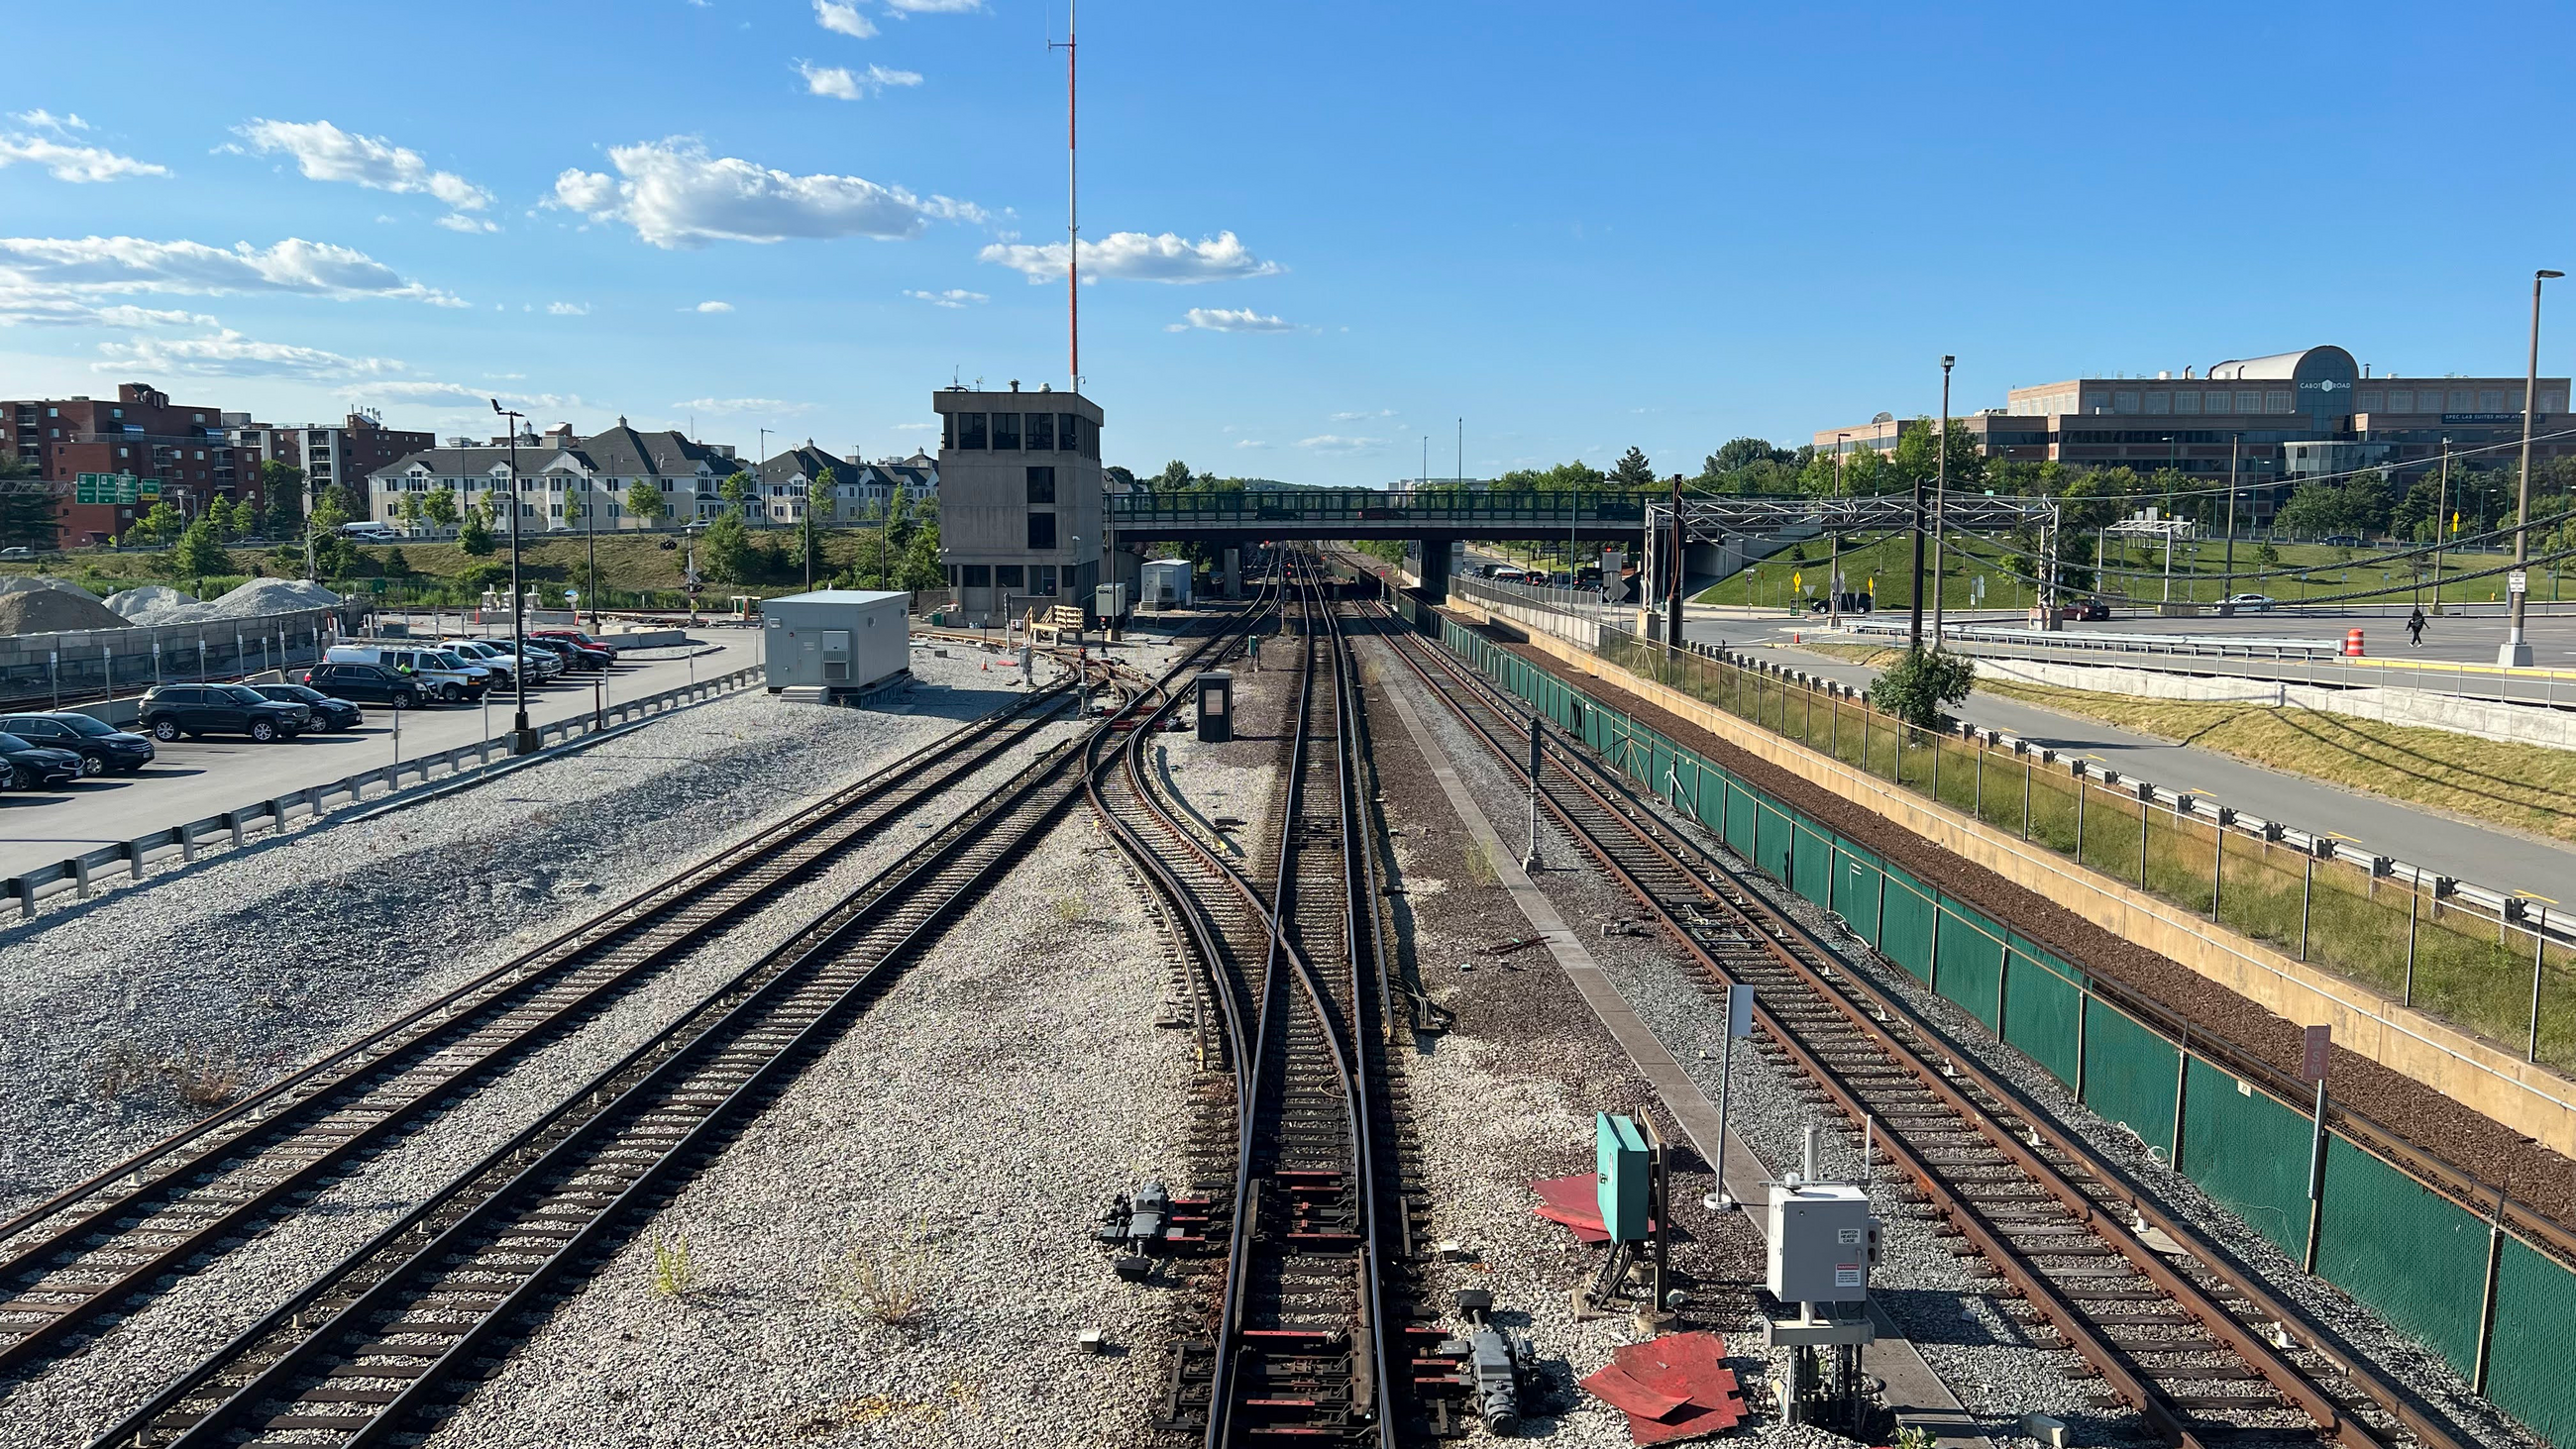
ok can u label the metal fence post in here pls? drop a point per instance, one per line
(2029, 769)
(2146, 808)
(2539, 955)
(2083, 1025)
(2217, 862)
(2487, 1297)
(2307, 897)
(1979, 796)
(2414, 919)
(2182, 1084)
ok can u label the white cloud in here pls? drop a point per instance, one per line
(68, 162)
(471, 225)
(41, 309)
(952, 298)
(1135, 256)
(934, 7)
(1250, 443)
(1361, 416)
(39, 268)
(769, 406)
(1334, 443)
(567, 309)
(675, 195)
(476, 400)
(1221, 319)
(843, 84)
(843, 19)
(710, 307)
(324, 152)
(227, 353)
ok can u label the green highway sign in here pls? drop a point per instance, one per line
(114, 488)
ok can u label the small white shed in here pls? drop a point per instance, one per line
(842, 641)
(1164, 583)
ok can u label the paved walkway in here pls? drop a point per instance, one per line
(2471, 852)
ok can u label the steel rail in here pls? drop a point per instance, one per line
(1773, 931)
(879, 925)
(79, 1267)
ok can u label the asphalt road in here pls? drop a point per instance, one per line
(193, 779)
(2453, 847)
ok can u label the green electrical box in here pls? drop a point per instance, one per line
(1620, 1150)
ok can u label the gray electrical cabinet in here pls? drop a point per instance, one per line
(842, 641)
(1822, 1241)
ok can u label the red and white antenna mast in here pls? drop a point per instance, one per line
(1072, 204)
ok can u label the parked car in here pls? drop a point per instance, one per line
(442, 676)
(2090, 609)
(573, 655)
(372, 683)
(541, 666)
(328, 713)
(101, 746)
(172, 710)
(579, 639)
(2252, 603)
(32, 766)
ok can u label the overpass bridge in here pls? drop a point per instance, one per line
(1438, 517)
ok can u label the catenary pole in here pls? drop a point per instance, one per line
(2516, 650)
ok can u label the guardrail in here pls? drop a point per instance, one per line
(2223, 646)
(233, 827)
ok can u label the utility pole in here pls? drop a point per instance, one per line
(2441, 522)
(523, 740)
(2234, 443)
(1673, 622)
(1834, 546)
(2516, 650)
(1072, 210)
(1941, 503)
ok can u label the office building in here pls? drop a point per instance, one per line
(180, 454)
(2282, 417)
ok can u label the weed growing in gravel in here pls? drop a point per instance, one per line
(1480, 866)
(122, 1068)
(673, 1274)
(1072, 909)
(889, 1282)
(203, 1079)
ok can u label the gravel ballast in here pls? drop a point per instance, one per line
(961, 1137)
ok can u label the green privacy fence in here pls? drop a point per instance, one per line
(2492, 1304)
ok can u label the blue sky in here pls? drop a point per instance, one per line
(1325, 232)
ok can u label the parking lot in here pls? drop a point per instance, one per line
(190, 779)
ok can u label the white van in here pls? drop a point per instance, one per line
(370, 530)
(440, 673)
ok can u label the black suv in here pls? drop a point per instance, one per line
(172, 710)
(328, 713)
(370, 682)
(101, 747)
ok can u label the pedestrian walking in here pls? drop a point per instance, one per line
(2415, 629)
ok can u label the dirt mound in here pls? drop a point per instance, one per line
(21, 583)
(142, 604)
(56, 611)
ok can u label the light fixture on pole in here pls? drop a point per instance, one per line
(523, 740)
(2516, 651)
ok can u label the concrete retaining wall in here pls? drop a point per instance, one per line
(2486, 719)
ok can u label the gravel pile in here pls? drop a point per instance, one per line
(251, 599)
(139, 604)
(25, 583)
(85, 1394)
(58, 609)
(952, 1150)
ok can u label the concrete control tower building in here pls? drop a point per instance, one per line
(1020, 508)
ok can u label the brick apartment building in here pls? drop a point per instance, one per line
(2287, 416)
(140, 431)
(347, 454)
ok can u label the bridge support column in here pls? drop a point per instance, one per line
(1234, 573)
(1436, 553)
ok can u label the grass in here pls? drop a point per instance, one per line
(1480, 866)
(2524, 787)
(1071, 909)
(888, 1282)
(674, 1274)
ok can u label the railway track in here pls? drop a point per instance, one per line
(377, 1346)
(105, 1242)
(2175, 1330)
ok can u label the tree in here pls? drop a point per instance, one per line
(1920, 688)
(351, 503)
(2266, 557)
(644, 501)
(440, 508)
(1744, 452)
(26, 505)
(474, 535)
(737, 492)
(726, 548)
(199, 554)
(160, 524)
(1176, 477)
(920, 570)
(1632, 472)
(282, 485)
(818, 507)
(412, 510)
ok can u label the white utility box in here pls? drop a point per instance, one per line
(841, 641)
(1164, 583)
(1822, 1242)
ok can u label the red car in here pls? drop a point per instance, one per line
(577, 638)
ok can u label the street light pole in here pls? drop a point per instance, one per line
(590, 512)
(1834, 546)
(1940, 504)
(2441, 522)
(523, 740)
(2233, 444)
(2516, 651)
